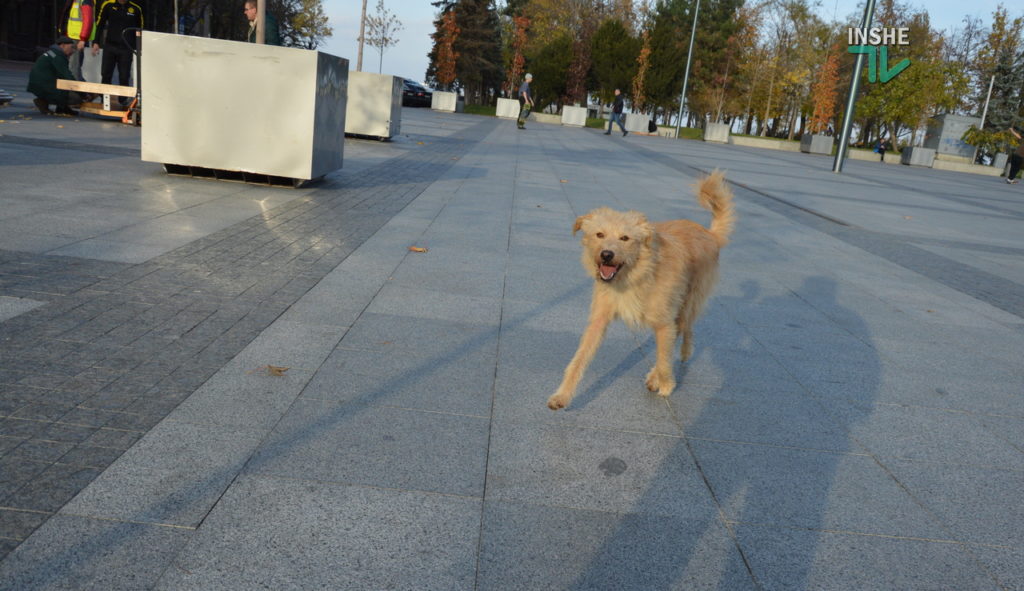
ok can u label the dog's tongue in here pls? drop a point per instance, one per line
(607, 271)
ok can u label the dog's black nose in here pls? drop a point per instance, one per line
(607, 256)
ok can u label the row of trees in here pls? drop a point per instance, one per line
(771, 67)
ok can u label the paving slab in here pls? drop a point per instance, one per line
(850, 418)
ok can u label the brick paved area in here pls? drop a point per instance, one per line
(118, 346)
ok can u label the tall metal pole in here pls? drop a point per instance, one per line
(686, 76)
(261, 21)
(851, 101)
(362, 31)
(984, 113)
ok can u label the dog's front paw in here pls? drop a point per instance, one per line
(652, 382)
(558, 401)
(667, 386)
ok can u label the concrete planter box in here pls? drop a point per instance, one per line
(374, 105)
(637, 122)
(716, 132)
(243, 108)
(574, 116)
(1001, 160)
(444, 101)
(507, 108)
(545, 118)
(769, 144)
(816, 144)
(917, 156)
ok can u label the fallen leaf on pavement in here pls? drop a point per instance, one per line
(276, 371)
(417, 249)
(564, 181)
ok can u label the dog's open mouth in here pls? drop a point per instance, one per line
(607, 272)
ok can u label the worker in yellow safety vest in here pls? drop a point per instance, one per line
(78, 24)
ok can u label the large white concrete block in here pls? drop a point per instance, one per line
(507, 108)
(574, 116)
(716, 132)
(444, 101)
(374, 106)
(234, 106)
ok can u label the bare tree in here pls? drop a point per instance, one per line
(381, 29)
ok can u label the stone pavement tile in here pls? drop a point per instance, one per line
(425, 302)
(50, 489)
(979, 505)
(547, 548)
(122, 251)
(71, 552)
(290, 344)
(11, 307)
(1004, 563)
(728, 365)
(595, 469)
(329, 536)
(172, 476)
(18, 525)
(797, 559)
(244, 399)
(376, 446)
(927, 434)
(1009, 429)
(810, 489)
(398, 333)
(778, 413)
(416, 380)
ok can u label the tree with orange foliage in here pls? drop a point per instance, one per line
(823, 94)
(446, 54)
(515, 72)
(643, 61)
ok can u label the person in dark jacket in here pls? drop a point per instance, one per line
(42, 80)
(118, 46)
(1016, 159)
(271, 34)
(617, 114)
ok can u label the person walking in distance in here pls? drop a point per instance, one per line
(616, 117)
(1016, 159)
(525, 101)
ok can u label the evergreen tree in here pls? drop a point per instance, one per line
(614, 52)
(478, 69)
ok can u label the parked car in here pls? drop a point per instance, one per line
(415, 94)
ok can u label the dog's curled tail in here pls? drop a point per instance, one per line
(715, 195)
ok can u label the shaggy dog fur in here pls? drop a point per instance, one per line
(649, 274)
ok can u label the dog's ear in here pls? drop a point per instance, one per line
(579, 223)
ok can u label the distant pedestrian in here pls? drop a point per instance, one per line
(616, 117)
(525, 101)
(883, 145)
(1016, 158)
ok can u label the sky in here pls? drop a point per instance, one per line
(408, 59)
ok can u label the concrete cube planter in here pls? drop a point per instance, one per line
(816, 144)
(716, 132)
(374, 105)
(917, 156)
(195, 93)
(444, 101)
(637, 122)
(507, 108)
(574, 116)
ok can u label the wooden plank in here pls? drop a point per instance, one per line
(97, 109)
(95, 88)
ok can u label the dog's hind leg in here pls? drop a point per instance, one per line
(661, 378)
(589, 343)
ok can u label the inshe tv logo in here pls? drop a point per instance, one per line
(867, 41)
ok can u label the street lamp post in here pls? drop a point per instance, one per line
(686, 76)
(851, 101)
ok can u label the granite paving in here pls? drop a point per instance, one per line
(212, 385)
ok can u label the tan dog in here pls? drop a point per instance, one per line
(654, 274)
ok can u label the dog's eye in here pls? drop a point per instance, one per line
(599, 234)
(624, 238)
